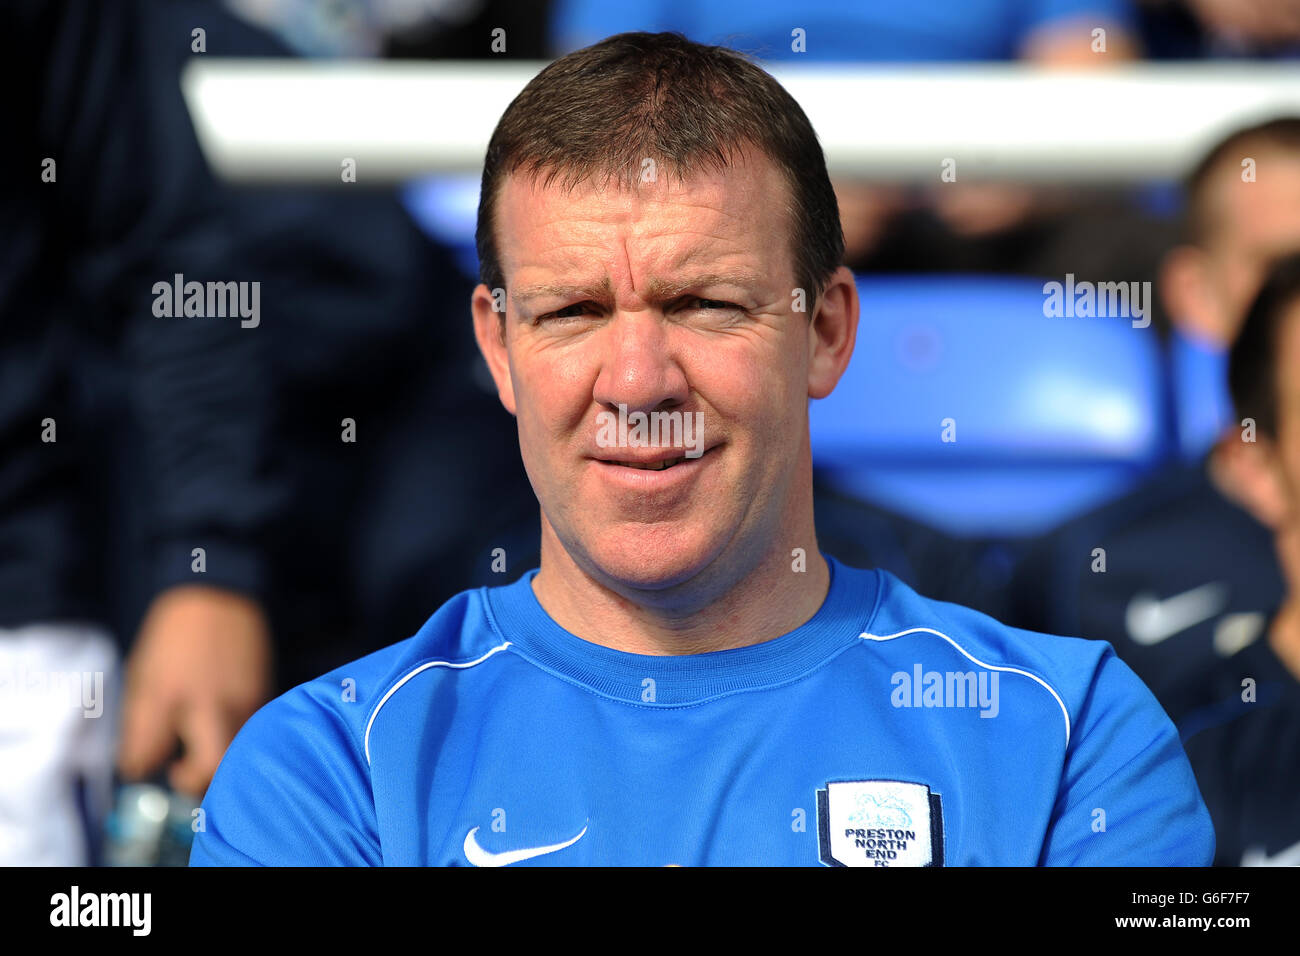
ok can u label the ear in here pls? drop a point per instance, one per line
(490, 331)
(832, 332)
(1250, 473)
(1189, 296)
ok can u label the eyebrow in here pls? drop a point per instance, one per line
(602, 290)
(659, 289)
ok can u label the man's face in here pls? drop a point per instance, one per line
(1286, 448)
(1254, 223)
(1264, 474)
(677, 297)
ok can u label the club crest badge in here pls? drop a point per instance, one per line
(879, 823)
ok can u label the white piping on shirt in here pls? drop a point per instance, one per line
(867, 635)
(427, 664)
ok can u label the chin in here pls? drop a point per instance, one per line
(654, 561)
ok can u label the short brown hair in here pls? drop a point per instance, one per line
(1253, 363)
(602, 110)
(1281, 133)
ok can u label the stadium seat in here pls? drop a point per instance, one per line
(1049, 416)
(1199, 370)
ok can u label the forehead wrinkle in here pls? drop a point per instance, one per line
(656, 287)
(702, 253)
(665, 288)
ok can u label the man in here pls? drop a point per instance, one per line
(1242, 203)
(1243, 738)
(119, 427)
(129, 439)
(1173, 574)
(687, 679)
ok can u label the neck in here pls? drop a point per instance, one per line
(731, 603)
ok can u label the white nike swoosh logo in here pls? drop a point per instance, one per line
(1235, 631)
(481, 857)
(1150, 620)
(1257, 857)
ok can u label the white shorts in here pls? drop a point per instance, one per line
(59, 701)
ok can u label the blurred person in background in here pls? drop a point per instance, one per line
(118, 424)
(1190, 29)
(1188, 567)
(1243, 733)
(427, 29)
(396, 470)
(1243, 213)
(184, 432)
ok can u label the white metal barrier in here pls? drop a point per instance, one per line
(298, 120)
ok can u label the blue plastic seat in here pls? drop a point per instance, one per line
(1050, 416)
(1199, 370)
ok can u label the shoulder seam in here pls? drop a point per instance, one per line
(411, 673)
(868, 636)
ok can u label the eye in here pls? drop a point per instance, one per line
(568, 312)
(713, 305)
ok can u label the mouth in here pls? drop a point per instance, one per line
(661, 465)
(667, 473)
(667, 459)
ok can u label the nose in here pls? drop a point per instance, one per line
(639, 368)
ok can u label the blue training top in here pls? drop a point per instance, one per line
(890, 729)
